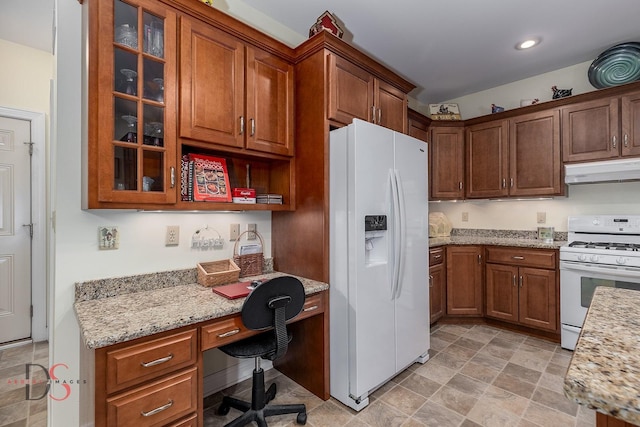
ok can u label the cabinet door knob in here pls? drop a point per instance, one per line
(514, 280)
(460, 185)
(241, 125)
(172, 175)
(430, 281)
(626, 140)
(615, 141)
(479, 259)
(253, 127)
(379, 115)
(520, 281)
(373, 114)
(504, 183)
(511, 182)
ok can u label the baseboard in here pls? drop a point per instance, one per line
(230, 376)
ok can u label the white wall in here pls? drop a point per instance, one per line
(606, 198)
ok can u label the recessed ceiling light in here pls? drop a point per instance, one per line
(527, 44)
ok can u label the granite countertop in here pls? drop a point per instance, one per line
(522, 242)
(111, 311)
(604, 372)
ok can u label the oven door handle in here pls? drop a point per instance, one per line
(590, 268)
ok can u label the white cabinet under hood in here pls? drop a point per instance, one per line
(604, 171)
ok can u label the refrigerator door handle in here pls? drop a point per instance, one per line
(396, 233)
(403, 231)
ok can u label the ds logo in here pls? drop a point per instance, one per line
(51, 377)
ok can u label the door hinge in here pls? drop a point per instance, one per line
(30, 225)
(30, 144)
(31, 310)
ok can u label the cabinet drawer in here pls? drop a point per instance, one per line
(141, 362)
(156, 404)
(436, 256)
(526, 257)
(192, 421)
(223, 332)
(313, 305)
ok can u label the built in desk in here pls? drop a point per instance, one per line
(143, 338)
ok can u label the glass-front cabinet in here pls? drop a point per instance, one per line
(132, 111)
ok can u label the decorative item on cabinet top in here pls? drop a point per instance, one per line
(444, 112)
(327, 22)
(496, 108)
(207, 2)
(560, 93)
(617, 65)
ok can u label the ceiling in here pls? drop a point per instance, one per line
(447, 48)
(28, 22)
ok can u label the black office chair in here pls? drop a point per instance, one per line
(269, 305)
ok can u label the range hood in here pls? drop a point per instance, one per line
(605, 171)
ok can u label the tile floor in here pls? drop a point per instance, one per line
(15, 410)
(476, 376)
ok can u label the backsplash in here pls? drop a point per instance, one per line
(507, 234)
(105, 288)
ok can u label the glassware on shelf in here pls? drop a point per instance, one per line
(154, 38)
(130, 87)
(153, 134)
(160, 88)
(131, 135)
(127, 35)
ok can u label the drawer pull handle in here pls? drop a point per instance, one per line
(437, 256)
(518, 257)
(228, 334)
(311, 308)
(157, 361)
(158, 409)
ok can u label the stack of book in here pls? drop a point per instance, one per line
(272, 199)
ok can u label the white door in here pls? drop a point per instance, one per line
(412, 305)
(15, 235)
(373, 349)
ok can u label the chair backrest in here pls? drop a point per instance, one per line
(270, 305)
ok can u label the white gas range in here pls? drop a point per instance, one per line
(602, 250)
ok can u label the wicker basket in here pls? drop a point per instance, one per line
(218, 272)
(250, 264)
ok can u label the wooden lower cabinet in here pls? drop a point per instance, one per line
(464, 280)
(151, 381)
(603, 420)
(437, 283)
(522, 287)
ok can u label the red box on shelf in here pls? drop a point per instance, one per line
(245, 193)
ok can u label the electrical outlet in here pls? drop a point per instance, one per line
(542, 217)
(465, 216)
(251, 228)
(234, 232)
(172, 238)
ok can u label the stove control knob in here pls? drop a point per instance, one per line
(596, 222)
(582, 257)
(594, 258)
(621, 260)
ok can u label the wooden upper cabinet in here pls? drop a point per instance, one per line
(446, 160)
(212, 84)
(590, 130)
(269, 103)
(487, 159)
(233, 94)
(356, 93)
(631, 124)
(418, 125)
(535, 166)
(390, 106)
(350, 91)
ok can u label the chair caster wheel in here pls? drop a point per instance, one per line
(271, 393)
(301, 418)
(223, 410)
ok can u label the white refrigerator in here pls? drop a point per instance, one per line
(379, 243)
